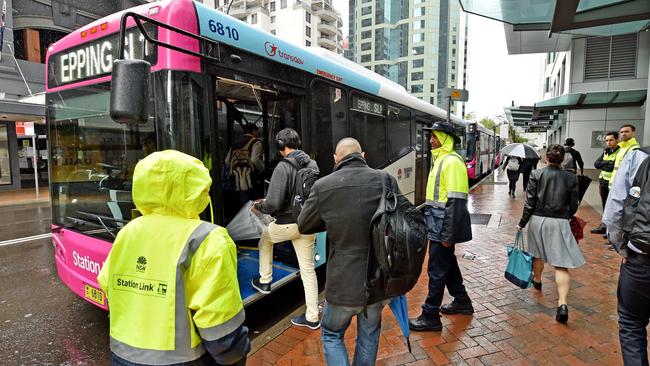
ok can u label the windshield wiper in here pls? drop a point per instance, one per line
(101, 220)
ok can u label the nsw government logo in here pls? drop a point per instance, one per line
(141, 264)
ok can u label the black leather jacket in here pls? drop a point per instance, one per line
(551, 192)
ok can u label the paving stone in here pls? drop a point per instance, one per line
(510, 326)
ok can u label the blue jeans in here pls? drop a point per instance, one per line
(336, 320)
(634, 309)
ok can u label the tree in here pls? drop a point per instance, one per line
(488, 123)
(471, 116)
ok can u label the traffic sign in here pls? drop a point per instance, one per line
(458, 95)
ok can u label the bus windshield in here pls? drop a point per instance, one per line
(92, 161)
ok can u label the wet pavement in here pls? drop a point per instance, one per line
(41, 321)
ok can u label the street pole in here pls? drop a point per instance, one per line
(34, 161)
(449, 109)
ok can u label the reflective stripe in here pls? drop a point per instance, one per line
(436, 187)
(462, 195)
(183, 351)
(435, 204)
(222, 330)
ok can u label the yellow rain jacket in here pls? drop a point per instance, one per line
(447, 192)
(170, 278)
(631, 144)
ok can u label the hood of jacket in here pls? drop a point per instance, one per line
(446, 141)
(628, 143)
(301, 157)
(171, 183)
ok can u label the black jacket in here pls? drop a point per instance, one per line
(343, 203)
(279, 197)
(551, 192)
(606, 165)
(577, 158)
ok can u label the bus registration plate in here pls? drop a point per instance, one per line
(93, 294)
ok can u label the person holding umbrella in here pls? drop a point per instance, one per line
(517, 154)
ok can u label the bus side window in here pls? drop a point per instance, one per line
(399, 136)
(368, 125)
(329, 122)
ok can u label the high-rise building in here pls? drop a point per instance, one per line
(301, 22)
(416, 43)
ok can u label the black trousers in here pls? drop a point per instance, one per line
(443, 271)
(603, 188)
(634, 309)
(526, 174)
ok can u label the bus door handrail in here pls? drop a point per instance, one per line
(209, 46)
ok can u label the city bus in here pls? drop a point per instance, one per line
(208, 76)
(482, 151)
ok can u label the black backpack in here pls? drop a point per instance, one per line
(399, 240)
(636, 208)
(305, 178)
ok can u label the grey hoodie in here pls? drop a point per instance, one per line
(279, 197)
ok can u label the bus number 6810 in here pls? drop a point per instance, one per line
(219, 28)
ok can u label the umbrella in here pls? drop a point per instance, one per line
(524, 151)
(400, 309)
(583, 184)
(246, 225)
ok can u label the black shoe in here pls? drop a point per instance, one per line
(599, 230)
(264, 288)
(457, 308)
(537, 285)
(302, 321)
(605, 236)
(426, 323)
(562, 315)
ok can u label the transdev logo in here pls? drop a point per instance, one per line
(273, 51)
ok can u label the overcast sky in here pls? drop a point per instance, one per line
(495, 79)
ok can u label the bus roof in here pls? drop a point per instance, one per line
(197, 18)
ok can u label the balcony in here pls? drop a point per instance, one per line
(328, 15)
(239, 11)
(320, 4)
(328, 44)
(252, 3)
(329, 29)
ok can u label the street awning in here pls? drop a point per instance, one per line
(622, 98)
(583, 17)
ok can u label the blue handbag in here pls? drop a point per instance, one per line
(520, 264)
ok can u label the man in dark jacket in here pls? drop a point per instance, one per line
(527, 167)
(449, 223)
(278, 203)
(343, 203)
(605, 163)
(575, 161)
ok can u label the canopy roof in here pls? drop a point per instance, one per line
(609, 99)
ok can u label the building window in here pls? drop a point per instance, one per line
(433, 88)
(308, 31)
(418, 24)
(418, 12)
(611, 57)
(418, 50)
(272, 5)
(453, 40)
(308, 43)
(366, 34)
(416, 89)
(418, 1)
(418, 37)
(308, 17)
(283, 4)
(432, 100)
(366, 58)
(367, 10)
(272, 19)
(366, 46)
(273, 31)
(366, 22)
(547, 85)
(366, 1)
(417, 75)
(453, 65)
(453, 52)
(418, 63)
(254, 18)
(453, 77)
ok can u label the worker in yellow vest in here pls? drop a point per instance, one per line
(627, 142)
(170, 278)
(605, 163)
(449, 223)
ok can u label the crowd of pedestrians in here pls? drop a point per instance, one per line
(198, 315)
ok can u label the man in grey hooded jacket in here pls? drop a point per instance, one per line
(278, 203)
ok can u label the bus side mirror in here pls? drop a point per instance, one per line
(130, 91)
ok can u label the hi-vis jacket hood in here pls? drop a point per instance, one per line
(447, 144)
(171, 183)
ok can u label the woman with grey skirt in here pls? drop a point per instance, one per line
(551, 200)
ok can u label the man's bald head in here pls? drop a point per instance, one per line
(345, 147)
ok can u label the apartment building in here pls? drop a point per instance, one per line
(416, 43)
(302, 22)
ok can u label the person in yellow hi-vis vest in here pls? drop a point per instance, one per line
(449, 223)
(627, 142)
(170, 278)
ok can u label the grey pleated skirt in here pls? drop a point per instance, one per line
(551, 240)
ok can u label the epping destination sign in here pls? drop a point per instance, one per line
(95, 59)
